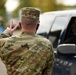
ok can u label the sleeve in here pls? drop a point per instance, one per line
(2, 43)
(4, 35)
(50, 64)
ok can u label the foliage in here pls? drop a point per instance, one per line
(3, 9)
(44, 5)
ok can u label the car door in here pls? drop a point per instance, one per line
(58, 25)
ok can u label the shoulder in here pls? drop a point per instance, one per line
(42, 40)
(8, 39)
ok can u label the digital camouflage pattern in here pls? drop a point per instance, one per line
(30, 12)
(27, 54)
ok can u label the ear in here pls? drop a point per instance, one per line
(20, 25)
(38, 23)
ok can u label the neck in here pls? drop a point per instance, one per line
(28, 31)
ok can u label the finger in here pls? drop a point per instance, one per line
(16, 26)
(11, 24)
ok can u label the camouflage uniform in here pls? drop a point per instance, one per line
(27, 54)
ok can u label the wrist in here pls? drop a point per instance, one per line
(7, 33)
(4, 35)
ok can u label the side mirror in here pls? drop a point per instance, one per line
(67, 49)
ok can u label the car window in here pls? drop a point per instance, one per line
(59, 23)
(67, 32)
(45, 23)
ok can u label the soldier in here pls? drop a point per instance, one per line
(28, 53)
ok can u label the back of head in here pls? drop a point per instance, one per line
(29, 15)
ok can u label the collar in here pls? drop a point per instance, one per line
(28, 34)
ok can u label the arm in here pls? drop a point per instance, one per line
(50, 65)
(9, 31)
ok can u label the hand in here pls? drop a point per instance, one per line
(10, 30)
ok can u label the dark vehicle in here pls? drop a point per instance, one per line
(56, 27)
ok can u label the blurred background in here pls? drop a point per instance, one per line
(11, 8)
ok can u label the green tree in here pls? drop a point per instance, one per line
(2, 8)
(44, 5)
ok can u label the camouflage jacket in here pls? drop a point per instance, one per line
(26, 54)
